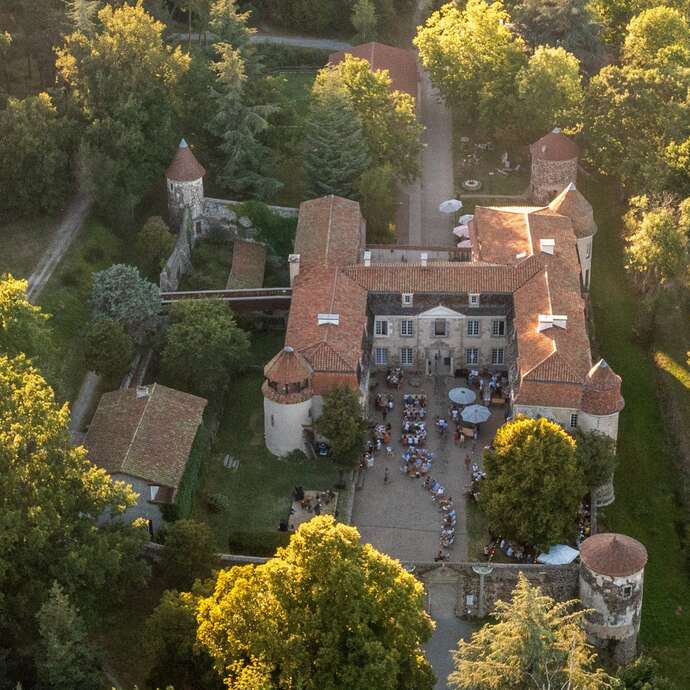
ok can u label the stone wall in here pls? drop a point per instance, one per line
(213, 206)
(180, 261)
(550, 178)
(476, 599)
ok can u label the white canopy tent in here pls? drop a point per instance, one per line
(558, 554)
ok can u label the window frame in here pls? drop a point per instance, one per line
(495, 352)
(573, 420)
(410, 352)
(385, 327)
(472, 360)
(474, 299)
(383, 350)
(436, 334)
(407, 324)
(470, 322)
(501, 324)
(407, 298)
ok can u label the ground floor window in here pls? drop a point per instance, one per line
(497, 355)
(472, 355)
(381, 356)
(407, 356)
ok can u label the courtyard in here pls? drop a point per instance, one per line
(399, 516)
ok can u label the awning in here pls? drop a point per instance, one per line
(558, 554)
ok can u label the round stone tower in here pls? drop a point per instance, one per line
(554, 166)
(611, 580)
(287, 395)
(601, 405)
(185, 186)
(572, 204)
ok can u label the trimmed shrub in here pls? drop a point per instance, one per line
(257, 542)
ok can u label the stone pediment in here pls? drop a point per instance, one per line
(441, 312)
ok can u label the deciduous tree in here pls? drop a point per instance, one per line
(188, 553)
(596, 455)
(52, 498)
(364, 20)
(535, 644)
(123, 80)
(34, 155)
(64, 658)
(154, 244)
(473, 57)
(378, 198)
(644, 674)
(550, 91)
(343, 424)
(656, 37)
(204, 346)
(22, 324)
(108, 350)
(82, 14)
(326, 612)
(335, 151)
(533, 484)
(122, 294)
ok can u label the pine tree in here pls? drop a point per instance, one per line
(64, 659)
(364, 20)
(82, 14)
(238, 126)
(336, 153)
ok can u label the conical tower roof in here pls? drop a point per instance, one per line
(554, 146)
(571, 203)
(184, 167)
(288, 366)
(602, 391)
(613, 555)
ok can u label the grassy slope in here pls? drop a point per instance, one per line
(23, 243)
(260, 490)
(646, 506)
(66, 298)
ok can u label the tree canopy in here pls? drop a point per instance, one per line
(122, 294)
(533, 485)
(123, 79)
(108, 349)
(328, 612)
(656, 37)
(204, 346)
(52, 498)
(473, 58)
(153, 246)
(188, 553)
(535, 643)
(388, 117)
(34, 155)
(596, 455)
(343, 425)
(335, 150)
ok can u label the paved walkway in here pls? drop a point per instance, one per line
(449, 629)
(67, 230)
(399, 518)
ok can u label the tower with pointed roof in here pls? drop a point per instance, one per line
(287, 391)
(610, 583)
(554, 165)
(571, 203)
(185, 187)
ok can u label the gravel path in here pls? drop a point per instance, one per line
(68, 228)
(263, 37)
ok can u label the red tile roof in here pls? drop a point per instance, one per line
(184, 167)
(571, 203)
(327, 347)
(614, 555)
(330, 229)
(554, 146)
(288, 367)
(400, 63)
(602, 394)
(148, 436)
(248, 264)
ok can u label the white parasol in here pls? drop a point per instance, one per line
(475, 414)
(462, 396)
(450, 206)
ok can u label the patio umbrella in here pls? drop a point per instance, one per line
(450, 206)
(465, 219)
(462, 396)
(475, 414)
(461, 231)
(465, 244)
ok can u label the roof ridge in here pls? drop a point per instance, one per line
(136, 431)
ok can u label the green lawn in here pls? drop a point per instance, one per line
(484, 167)
(23, 244)
(647, 504)
(260, 490)
(66, 298)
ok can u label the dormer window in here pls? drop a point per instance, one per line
(407, 299)
(547, 246)
(545, 321)
(474, 299)
(329, 319)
